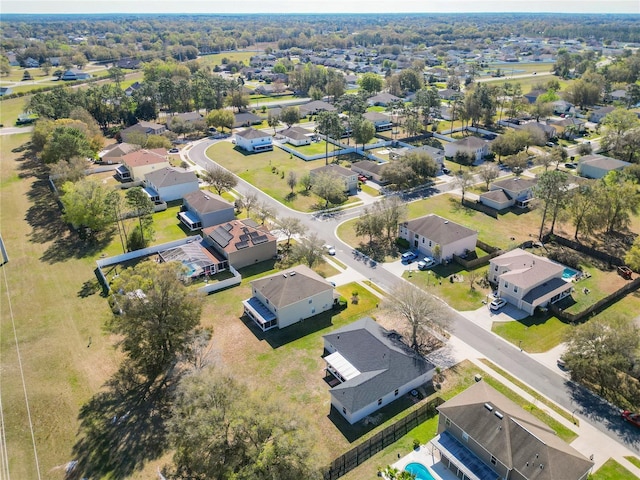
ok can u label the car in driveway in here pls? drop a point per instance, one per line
(426, 262)
(174, 150)
(408, 257)
(497, 304)
(331, 250)
(632, 418)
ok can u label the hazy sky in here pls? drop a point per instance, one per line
(319, 6)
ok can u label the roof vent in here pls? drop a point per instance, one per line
(488, 406)
(541, 466)
(498, 414)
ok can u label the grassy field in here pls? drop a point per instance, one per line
(269, 171)
(612, 470)
(235, 56)
(533, 334)
(10, 109)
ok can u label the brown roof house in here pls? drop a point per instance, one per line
(484, 435)
(146, 128)
(201, 209)
(438, 237)
(114, 153)
(242, 242)
(370, 367)
(512, 192)
(348, 178)
(137, 164)
(528, 281)
(285, 298)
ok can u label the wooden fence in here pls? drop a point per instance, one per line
(359, 454)
(592, 252)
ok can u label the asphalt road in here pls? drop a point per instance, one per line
(584, 404)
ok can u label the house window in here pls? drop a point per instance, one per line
(506, 284)
(344, 410)
(515, 289)
(447, 422)
(423, 240)
(310, 300)
(465, 436)
(429, 242)
(379, 401)
(495, 269)
(493, 460)
(267, 300)
(396, 392)
(417, 235)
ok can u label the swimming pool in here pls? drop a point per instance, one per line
(420, 471)
(569, 273)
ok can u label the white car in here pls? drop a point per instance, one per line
(426, 262)
(497, 304)
(330, 249)
(408, 257)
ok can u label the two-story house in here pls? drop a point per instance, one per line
(348, 178)
(242, 242)
(136, 164)
(168, 184)
(202, 209)
(252, 140)
(474, 146)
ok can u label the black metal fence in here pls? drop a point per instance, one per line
(359, 454)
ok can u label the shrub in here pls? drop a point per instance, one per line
(567, 258)
(402, 243)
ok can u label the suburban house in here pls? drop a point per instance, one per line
(246, 119)
(382, 99)
(369, 367)
(369, 169)
(438, 237)
(381, 121)
(315, 107)
(131, 89)
(5, 91)
(449, 94)
(201, 209)
(297, 136)
(242, 242)
(547, 130)
(512, 192)
(285, 298)
(346, 176)
(74, 74)
(597, 166)
(169, 184)
(562, 107)
(114, 152)
(436, 153)
(528, 281)
(482, 434)
(474, 146)
(569, 127)
(136, 164)
(146, 128)
(253, 140)
(189, 118)
(533, 95)
(598, 115)
(197, 257)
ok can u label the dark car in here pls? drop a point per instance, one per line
(632, 418)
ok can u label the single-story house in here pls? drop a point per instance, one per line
(285, 298)
(187, 118)
(569, 127)
(437, 237)
(31, 62)
(74, 74)
(202, 209)
(597, 166)
(5, 91)
(348, 177)
(382, 99)
(129, 63)
(246, 119)
(370, 169)
(533, 95)
(197, 257)
(370, 367)
(474, 146)
(449, 94)
(147, 128)
(528, 281)
(483, 434)
(512, 192)
(136, 164)
(253, 140)
(169, 184)
(598, 115)
(242, 242)
(619, 95)
(315, 107)
(562, 107)
(436, 153)
(131, 89)
(381, 121)
(547, 130)
(297, 136)
(114, 152)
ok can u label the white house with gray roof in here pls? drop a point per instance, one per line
(437, 237)
(511, 192)
(369, 367)
(597, 166)
(528, 281)
(484, 435)
(168, 184)
(288, 297)
(297, 136)
(474, 146)
(253, 140)
(381, 121)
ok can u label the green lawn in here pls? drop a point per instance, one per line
(314, 148)
(235, 56)
(533, 334)
(612, 470)
(634, 460)
(269, 171)
(11, 108)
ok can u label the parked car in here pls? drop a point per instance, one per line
(497, 304)
(446, 171)
(569, 165)
(625, 272)
(408, 257)
(174, 150)
(425, 263)
(632, 418)
(561, 364)
(330, 249)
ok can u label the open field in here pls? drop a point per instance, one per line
(10, 109)
(269, 171)
(232, 56)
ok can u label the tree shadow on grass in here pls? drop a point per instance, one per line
(70, 245)
(121, 429)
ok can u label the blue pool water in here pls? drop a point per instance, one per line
(569, 273)
(420, 471)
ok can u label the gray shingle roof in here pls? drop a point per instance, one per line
(385, 362)
(206, 202)
(166, 177)
(333, 169)
(514, 184)
(603, 162)
(250, 133)
(518, 439)
(438, 229)
(292, 286)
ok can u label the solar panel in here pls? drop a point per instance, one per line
(241, 245)
(254, 235)
(244, 238)
(260, 239)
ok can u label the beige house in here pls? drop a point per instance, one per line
(474, 146)
(348, 178)
(511, 192)
(437, 237)
(242, 242)
(597, 166)
(285, 298)
(114, 153)
(528, 281)
(482, 434)
(137, 164)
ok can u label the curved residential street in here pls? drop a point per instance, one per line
(583, 404)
